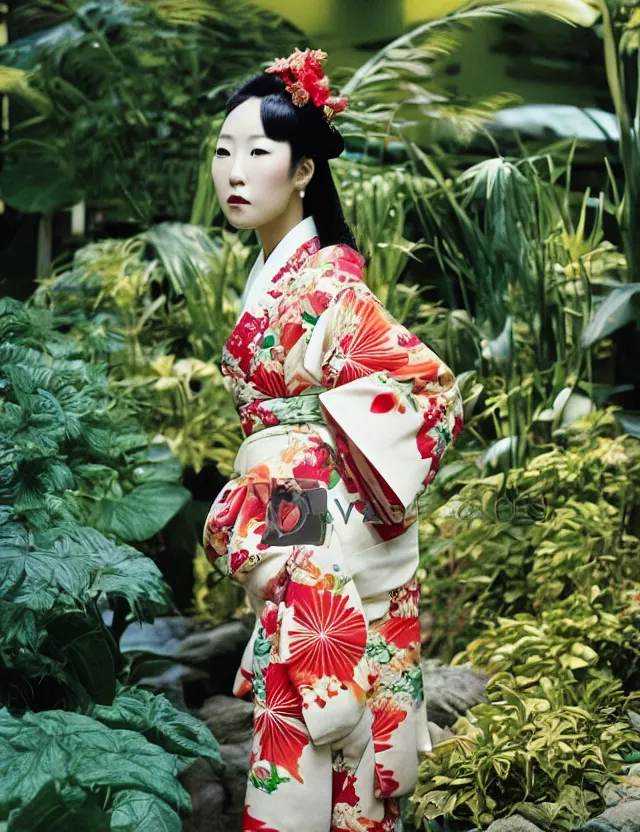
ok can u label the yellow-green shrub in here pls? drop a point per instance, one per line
(522, 541)
(535, 753)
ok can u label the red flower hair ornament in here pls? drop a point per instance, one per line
(304, 79)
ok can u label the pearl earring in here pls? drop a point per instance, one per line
(302, 194)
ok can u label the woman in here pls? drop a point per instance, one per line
(346, 416)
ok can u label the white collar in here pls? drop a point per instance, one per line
(262, 273)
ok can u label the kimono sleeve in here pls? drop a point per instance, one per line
(393, 405)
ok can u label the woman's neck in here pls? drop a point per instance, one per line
(272, 233)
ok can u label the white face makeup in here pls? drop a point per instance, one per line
(249, 165)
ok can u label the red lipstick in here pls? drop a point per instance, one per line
(234, 199)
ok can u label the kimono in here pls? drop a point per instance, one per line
(346, 416)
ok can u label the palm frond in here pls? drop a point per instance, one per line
(465, 118)
(399, 73)
(574, 12)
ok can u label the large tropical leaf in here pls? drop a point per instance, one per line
(629, 421)
(156, 718)
(578, 12)
(20, 628)
(35, 571)
(35, 576)
(136, 811)
(39, 182)
(59, 807)
(403, 84)
(143, 512)
(88, 648)
(618, 309)
(40, 748)
(125, 572)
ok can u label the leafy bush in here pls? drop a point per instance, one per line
(536, 572)
(158, 307)
(114, 769)
(72, 450)
(535, 753)
(518, 542)
(571, 642)
(77, 477)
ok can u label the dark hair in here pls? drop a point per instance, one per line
(309, 134)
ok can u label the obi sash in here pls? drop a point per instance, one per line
(287, 410)
(381, 505)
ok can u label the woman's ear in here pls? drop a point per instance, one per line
(304, 173)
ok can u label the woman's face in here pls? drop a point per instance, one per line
(249, 165)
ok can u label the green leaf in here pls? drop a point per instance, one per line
(35, 185)
(34, 572)
(19, 627)
(134, 811)
(103, 441)
(35, 578)
(38, 748)
(585, 652)
(617, 310)
(573, 662)
(155, 717)
(60, 808)
(138, 580)
(629, 421)
(143, 512)
(84, 645)
(169, 470)
(185, 252)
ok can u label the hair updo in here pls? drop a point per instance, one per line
(309, 134)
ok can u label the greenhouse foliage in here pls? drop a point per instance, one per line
(111, 390)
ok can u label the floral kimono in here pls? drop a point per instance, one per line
(346, 416)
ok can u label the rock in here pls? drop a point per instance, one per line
(175, 656)
(208, 798)
(617, 793)
(153, 648)
(218, 652)
(236, 759)
(162, 638)
(179, 638)
(450, 691)
(230, 719)
(622, 813)
(171, 682)
(205, 648)
(625, 817)
(218, 799)
(515, 823)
